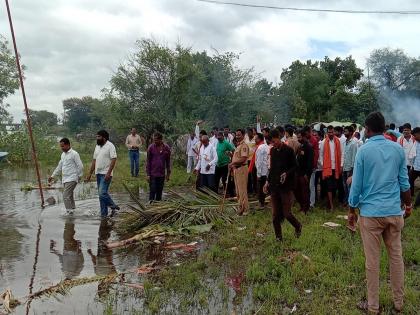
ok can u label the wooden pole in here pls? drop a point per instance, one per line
(28, 118)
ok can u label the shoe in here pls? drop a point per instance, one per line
(114, 211)
(364, 306)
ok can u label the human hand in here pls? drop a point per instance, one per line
(265, 188)
(283, 178)
(349, 180)
(208, 167)
(87, 179)
(351, 221)
(107, 177)
(408, 210)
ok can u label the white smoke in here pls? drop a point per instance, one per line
(402, 109)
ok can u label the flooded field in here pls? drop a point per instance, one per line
(41, 247)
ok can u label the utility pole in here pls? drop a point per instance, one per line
(28, 118)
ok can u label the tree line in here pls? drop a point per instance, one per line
(168, 89)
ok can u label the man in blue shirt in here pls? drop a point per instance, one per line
(379, 182)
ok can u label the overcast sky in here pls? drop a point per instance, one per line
(71, 48)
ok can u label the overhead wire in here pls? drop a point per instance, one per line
(260, 6)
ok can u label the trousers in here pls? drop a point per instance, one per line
(302, 193)
(156, 188)
(281, 201)
(191, 162)
(105, 199)
(68, 197)
(240, 176)
(372, 231)
(134, 156)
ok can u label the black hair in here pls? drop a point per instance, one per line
(280, 129)
(349, 128)
(306, 129)
(416, 130)
(289, 130)
(375, 121)
(203, 133)
(103, 134)
(226, 127)
(275, 133)
(338, 129)
(330, 127)
(260, 136)
(407, 126)
(65, 141)
(266, 129)
(392, 126)
(241, 131)
(158, 135)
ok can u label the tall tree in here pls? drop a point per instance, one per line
(43, 117)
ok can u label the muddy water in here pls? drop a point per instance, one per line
(39, 247)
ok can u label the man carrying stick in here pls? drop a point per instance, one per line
(240, 171)
(379, 175)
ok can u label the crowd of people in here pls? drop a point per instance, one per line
(372, 169)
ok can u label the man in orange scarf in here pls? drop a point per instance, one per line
(331, 160)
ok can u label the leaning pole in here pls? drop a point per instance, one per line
(28, 118)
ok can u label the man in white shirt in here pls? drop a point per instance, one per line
(191, 156)
(339, 132)
(207, 160)
(70, 168)
(133, 143)
(213, 139)
(261, 163)
(407, 142)
(103, 163)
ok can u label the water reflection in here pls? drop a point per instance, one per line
(103, 263)
(71, 259)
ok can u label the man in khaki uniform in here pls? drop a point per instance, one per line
(240, 171)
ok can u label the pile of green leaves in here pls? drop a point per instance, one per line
(179, 211)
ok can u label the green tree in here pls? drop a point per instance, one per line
(81, 113)
(9, 80)
(39, 117)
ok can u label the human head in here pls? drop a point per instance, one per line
(275, 137)
(133, 131)
(392, 126)
(226, 130)
(266, 132)
(330, 132)
(374, 124)
(407, 130)
(354, 126)
(289, 132)
(338, 131)
(348, 131)
(205, 140)
(65, 144)
(301, 136)
(192, 135)
(102, 136)
(250, 133)
(202, 133)
(307, 132)
(416, 133)
(239, 136)
(357, 135)
(220, 136)
(157, 138)
(280, 129)
(259, 138)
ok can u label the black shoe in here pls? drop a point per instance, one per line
(114, 210)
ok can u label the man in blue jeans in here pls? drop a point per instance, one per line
(133, 144)
(103, 163)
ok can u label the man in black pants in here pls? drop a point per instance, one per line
(158, 161)
(224, 151)
(280, 183)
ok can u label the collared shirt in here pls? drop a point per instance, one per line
(350, 150)
(261, 159)
(214, 141)
(416, 162)
(293, 143)
(379, 175)
(408, 146)
(158, 160)
(190, 146)
(241, 151)
(70, 167)
(103, 156)
(251, 145)
(332, 152)
(207, 156)
(133, 142)
(222, 149)
(305, 159)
